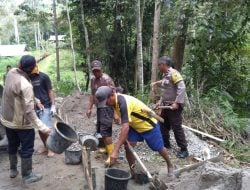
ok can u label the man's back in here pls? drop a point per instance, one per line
(17, 100)
(130, 109)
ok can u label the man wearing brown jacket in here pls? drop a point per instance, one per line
(19, 118)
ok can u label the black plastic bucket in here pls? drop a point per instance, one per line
(116, 179)
(61, 138)
(73, 156)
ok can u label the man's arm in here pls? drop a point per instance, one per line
(91, 102)
(39, 104)
(122, 139)
(181, 91)
(91, 99)
(28, 98)
(125, 118)
(50, 92)
(51, 96)
(52, 99)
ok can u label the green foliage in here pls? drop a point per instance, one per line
(240, 151)
(213, 113)
(221, 103)
(4, 61)
(67, 83)
(214, 57)
(143, 97)
(65, 86)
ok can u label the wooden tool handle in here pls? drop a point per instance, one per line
(153, 114)
(139, 161)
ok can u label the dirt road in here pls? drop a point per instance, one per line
(59, 176)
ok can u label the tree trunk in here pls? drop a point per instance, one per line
(156, 31)
(139, 46)
(35, 33)
(180, 40)
(56, 38)
(155, 47)
(136, 78)
(39, 35)
(72, 46)
(86, 36)
(16, 31)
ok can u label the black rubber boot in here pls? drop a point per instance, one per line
(28, 176)
(182, 154)
(13, 165)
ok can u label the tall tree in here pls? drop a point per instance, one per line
(16, 31)
(86, 36)
(72, 46)
(155, 45)
(180, 40)
(139, 46)
(57, 44)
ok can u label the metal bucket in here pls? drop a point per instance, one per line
(61, 138)
(88, 140)
(116, 179)
(73, 155)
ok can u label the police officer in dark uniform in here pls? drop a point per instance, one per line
(172, 96)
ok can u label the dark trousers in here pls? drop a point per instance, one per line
(25, 138)
(173, 120)
(105, 117)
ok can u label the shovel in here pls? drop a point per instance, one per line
(154, 182)
(131, 149)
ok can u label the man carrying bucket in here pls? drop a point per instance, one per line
(136, 125)
(19, 117)
(105, 114)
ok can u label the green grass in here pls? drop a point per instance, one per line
(4, 61)
(67, 83)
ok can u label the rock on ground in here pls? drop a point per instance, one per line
(245, 179)
(212, 176)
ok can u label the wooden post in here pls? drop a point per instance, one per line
(87, 166)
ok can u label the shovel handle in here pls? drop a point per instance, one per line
(153, 114)
(139, 161)
(166, 107)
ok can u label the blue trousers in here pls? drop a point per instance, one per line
(45, 116)
(25, 138)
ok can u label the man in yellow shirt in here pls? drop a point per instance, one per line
(136, 125)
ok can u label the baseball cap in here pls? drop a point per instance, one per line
(96, 65)
(102, 95)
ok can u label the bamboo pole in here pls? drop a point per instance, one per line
(202, 133)
(196, 165)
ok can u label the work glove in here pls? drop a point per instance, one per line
(53, 110)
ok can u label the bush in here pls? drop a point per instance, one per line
(213, 113)
(65, 86)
